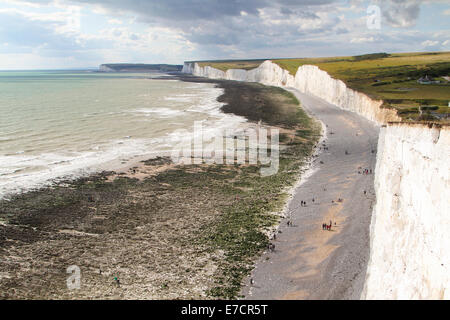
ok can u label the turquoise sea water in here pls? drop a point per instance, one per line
(59, 123)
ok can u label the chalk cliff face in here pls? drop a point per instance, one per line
(410, 256)
(312, 80)
(104, 68)
(309, 79)
(267, 73)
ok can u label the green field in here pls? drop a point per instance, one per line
(390, 77)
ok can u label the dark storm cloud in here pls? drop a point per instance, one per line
(305, 2)
(226, 23)
(400, 13)
(194, 11)
(182, 10)
(219, 22)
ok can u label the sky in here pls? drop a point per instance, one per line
(63, 34)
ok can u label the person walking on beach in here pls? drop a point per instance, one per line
(117, 281)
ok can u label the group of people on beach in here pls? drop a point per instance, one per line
(303, 203)
(365, 171)
(326, 226)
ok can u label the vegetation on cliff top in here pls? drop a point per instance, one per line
(225, 65)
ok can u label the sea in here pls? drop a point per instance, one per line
(58, 125)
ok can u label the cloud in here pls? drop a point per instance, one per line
(362, 40)
(404, 13)
(30, 31)
(177, 30)
(183, 10)
(400, 13)
(430, 43)
(115, 21)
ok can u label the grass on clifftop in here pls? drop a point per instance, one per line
(226, 65)
(390, 77)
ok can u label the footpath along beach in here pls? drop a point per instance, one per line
(309, 262)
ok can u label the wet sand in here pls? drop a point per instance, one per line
(308, 262)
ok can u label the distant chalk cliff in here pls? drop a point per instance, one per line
(129, 67)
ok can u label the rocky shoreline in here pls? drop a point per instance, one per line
(158, 230)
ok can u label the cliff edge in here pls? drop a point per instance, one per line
(409, 256)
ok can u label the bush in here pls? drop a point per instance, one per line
(381, 83)
(371, 56)
(429, 108)
(426, 117)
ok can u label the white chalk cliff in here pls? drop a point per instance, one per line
(308, 79)
(410, 242)
(105, 68)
